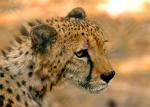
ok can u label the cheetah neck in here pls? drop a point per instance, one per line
(18, 60)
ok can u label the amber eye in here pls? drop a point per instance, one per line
(82, 53)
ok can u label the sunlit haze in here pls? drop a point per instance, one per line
(116, 7)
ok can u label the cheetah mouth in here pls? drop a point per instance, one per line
(94, 89)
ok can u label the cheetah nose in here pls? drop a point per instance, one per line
(107, 76)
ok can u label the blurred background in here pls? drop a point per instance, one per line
(126, 24)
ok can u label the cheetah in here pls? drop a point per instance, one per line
(46, 52)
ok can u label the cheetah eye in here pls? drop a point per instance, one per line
(82, 53)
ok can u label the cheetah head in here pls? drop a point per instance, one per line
(72, 48)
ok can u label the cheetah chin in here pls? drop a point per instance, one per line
(94, 89)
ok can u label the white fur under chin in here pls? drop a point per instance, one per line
(92, 89)
(97, 88)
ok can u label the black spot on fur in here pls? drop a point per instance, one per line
(10, 101)
(4, 53)
(18, 83)
(30, 66)
(23, 92)
(12, 77)
(18, 40)
(6, 68)
(30, 74)
(31, 24)
(1, 86)
(20, 53)
(43, 78)
(1, 100)
(82, 33)
(23, 82)
(30, 88)
(7, 81)
(1, 74)
(58, 61)
(27, 53)
(42, 92)
(9, 90)
(24, 31)
(39, 94)
(18, 97)
(9, 105)
(26, 104)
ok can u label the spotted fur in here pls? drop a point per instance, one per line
(47, 52)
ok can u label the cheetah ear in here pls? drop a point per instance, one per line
(43, 36)
(77, 12)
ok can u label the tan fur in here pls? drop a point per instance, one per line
(69, 48)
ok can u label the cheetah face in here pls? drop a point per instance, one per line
(76, 54)
(88, 66)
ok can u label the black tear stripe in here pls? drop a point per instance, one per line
(89, 77)
(91, 68)
(62, 71)
(64, 68)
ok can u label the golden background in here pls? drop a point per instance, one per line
(126, 24)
